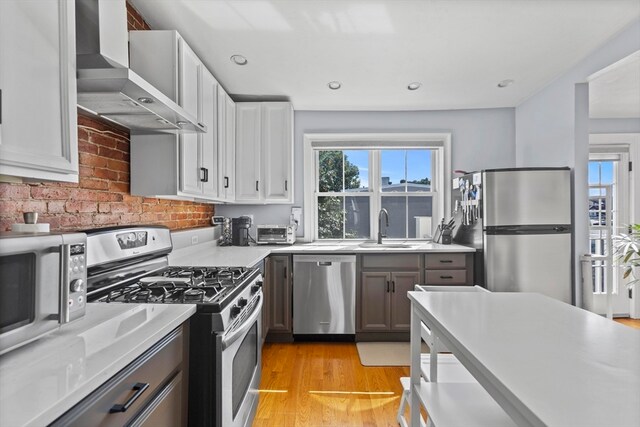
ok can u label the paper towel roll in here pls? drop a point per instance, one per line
(30, 228)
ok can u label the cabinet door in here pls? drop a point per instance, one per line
(38, 130)
(167, 409)
(188, 70)
(401, 283)
(190, 149)
(248, 153)
(230, 148)
(277, 151)
(374, 302)
(209, 140)
(279, 293)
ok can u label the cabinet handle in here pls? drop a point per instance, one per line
(204, 175)
(139, 389)
(285, 272)
(393, 284)
(446, 261)
(256, 185)
(387, 286)
(226, 182)
(201, 125)
(446, 277)
(285, 185)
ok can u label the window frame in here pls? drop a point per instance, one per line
(441, 169)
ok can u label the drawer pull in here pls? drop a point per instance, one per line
(139, 389)
(446, 277)
(446, 261)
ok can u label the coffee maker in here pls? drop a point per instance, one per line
(240, 231)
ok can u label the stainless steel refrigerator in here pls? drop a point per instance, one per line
(520, 222)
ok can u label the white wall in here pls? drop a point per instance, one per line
(480, 139)
(552, 126)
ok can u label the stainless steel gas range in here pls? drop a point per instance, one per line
(130, 265)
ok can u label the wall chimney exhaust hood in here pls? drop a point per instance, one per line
(106, 85)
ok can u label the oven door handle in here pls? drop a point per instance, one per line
(232, 337)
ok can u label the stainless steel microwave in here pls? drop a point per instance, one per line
(275, 234)
(42, 284)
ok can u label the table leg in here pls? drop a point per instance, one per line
(415, 366)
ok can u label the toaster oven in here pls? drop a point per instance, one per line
(275, 234)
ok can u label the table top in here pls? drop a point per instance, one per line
(557, 365)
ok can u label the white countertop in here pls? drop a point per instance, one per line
(42, 380)
(544, 361)
(210, 255)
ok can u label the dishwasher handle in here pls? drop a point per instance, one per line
(324, 263)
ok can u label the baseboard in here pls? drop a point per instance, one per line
(382, 336)
(324, 338)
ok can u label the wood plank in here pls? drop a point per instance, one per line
(324, 384)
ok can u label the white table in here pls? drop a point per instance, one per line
(546, 363)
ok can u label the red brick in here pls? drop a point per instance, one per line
(123, 177)
(10, 207)
(125, 208)
(106, 174)
(39, 206)
(104, 207)
(56, 206)
(74, 206)
(94, 184)
(132, 199)
(83, 134)
(86, 171)
(130, 218)
(14, 191)
(87, 147)
(150, 200)
(105, 219)
(121, 187)
(92, 160)
(103, 140)
(117, 165)
(51, 193)
(123, 146)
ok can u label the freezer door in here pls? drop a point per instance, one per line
(530, 263)
(527, 197)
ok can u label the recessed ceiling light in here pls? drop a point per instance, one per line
(414, 86)
(239, 59)
(181, 123)
(334, 85)
(145, 100)
(505, 83)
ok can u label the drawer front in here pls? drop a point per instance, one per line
(446, 277)
(445, 261)
(154, 367)
(391, 261)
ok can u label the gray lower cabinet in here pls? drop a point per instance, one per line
(151, 391)
(277, 316)
(382, 302)
(448, 269)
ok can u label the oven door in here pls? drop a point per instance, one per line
(29, 289)
(241, 368)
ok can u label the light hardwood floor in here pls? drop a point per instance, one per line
(634, 323)
(324, 385)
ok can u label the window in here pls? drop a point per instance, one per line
(355, 176)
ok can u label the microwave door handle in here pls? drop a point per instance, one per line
(63, 309)
(229, 339)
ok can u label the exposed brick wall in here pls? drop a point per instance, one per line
(101, 198)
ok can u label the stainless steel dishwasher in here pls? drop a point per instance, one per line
(324, 294)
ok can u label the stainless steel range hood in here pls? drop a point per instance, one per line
(106, 85)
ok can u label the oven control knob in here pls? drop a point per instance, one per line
(235, 310)
(76, 285)
(242, 302)
(256, 287)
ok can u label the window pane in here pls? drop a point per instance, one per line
(393, 171)
(330, 173)
(356, 170)
(419, 170)
(330, 217)
(397, 208)
(356, 217)
(420, 211)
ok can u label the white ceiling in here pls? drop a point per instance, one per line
(458, 49)
(614, 93)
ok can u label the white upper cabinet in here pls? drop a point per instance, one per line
(38, 122)
(264, 152)
(248, 161)
(176, 166)
(226, 146)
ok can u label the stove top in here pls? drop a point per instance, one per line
(211, 286)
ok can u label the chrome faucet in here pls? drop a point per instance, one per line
(386, 214)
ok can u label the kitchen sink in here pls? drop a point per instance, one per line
(385, 245)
